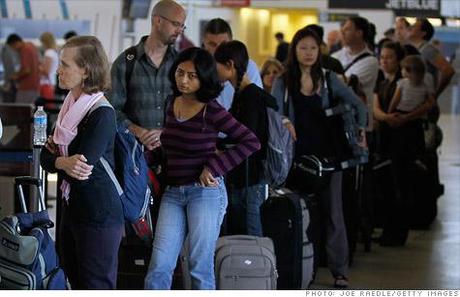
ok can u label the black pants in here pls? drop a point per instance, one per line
(407, 144)
(89, 254)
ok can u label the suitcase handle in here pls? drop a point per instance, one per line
(29, 181)
(242, 237)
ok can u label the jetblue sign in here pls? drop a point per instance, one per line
(418, 8)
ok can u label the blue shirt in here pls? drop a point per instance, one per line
(226, 96)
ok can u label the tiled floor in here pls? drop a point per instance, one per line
(431, 259)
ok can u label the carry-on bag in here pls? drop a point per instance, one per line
(28, 259)
(244, 262)
(310, 174)
(285, 219)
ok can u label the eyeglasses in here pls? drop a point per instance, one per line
(176, 24)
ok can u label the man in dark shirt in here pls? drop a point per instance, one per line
(282, 49)
(327, 61)
(419, 35)
(140, 105)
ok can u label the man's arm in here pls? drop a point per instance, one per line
(446, 72)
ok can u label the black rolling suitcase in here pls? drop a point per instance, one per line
(285, 219)
(134, 257)
(424, 205)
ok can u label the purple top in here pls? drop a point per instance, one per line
(190, 145)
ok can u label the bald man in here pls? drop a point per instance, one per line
(140, 105)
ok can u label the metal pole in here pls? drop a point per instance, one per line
(38, 173)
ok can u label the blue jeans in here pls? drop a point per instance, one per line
(245, 207)
(196, 212)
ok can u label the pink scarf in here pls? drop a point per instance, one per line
(71, 114)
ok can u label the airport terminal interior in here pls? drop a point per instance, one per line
(428, 259)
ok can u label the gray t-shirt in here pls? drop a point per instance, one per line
(429, 54)
(412, 96)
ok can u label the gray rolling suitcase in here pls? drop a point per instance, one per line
(244, 262)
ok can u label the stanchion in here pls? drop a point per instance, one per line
(40, 174)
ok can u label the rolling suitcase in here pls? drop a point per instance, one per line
(286, 219)
(244, 262)
(134, 256)
(28, 259)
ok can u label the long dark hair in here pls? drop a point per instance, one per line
(293, 74)
(210, 86)
(237, 52)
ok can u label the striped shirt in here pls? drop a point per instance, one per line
(143, 101)
(190, 145)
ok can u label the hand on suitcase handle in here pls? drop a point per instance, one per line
(75, 166)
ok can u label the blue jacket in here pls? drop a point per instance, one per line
(339, 90)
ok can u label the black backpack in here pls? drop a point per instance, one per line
(345, 131)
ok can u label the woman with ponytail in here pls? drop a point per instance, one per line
(246, 184)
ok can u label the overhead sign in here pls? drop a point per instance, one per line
(64, 9)
(373, 4)
(3, 9)
(335, 17)
(27, 9)
(416, 8)
(235, 3)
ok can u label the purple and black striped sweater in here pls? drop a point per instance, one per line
(190, 145)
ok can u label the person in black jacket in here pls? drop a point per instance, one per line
(246, 184)
(92, 216)
(282, 48)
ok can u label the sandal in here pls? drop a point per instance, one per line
(341, 282)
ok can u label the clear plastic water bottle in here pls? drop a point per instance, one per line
(40, 122)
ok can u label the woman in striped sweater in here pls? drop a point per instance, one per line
(195, 199)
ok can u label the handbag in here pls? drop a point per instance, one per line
(310, 174)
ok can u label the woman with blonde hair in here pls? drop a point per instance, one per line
(49, 65)
(271, 69)
(91, 211)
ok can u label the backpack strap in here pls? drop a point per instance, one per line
(111, 175)
(286, 102)
(100, 103)
(131, 57)
(330, 93)
(356, 60)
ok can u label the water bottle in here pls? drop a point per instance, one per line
(40, 121)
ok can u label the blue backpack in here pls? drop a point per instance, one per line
(130, 176)
(28, 259)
